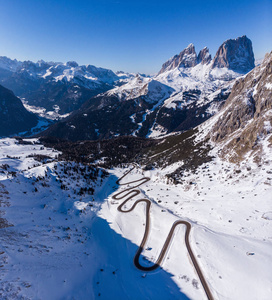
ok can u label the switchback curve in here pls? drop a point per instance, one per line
(130, 193)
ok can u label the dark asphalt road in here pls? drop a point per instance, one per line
(130, 193)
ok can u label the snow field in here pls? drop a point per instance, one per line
(227, 206)
(78, 244)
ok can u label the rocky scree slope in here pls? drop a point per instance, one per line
(14, 118)
(245, 122)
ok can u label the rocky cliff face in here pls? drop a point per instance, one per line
(187, 58)
(14, 118)
(245, 122)
(235, 54)
(204, 57)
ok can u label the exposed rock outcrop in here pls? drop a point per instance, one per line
(235, 54)
(204, 57)
(187, 58)
(246, 118)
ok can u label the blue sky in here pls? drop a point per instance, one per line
(133, 36)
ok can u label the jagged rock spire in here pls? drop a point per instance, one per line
(187, 58)
(204, 57)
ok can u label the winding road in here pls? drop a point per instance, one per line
(132, 192)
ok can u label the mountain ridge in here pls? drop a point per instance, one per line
(234, 54)
(188, 92)
(52, 85)
(14, 118)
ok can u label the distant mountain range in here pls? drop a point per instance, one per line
(188, 90)
(57, 86)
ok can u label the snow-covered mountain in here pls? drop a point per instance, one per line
(74, 213)
(188, 90)
(243, 126)
(10, 65)
(61, 224)
(57, 86)
(234, 54)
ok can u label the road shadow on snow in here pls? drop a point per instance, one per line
(118, 278)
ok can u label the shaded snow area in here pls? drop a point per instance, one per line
(62, 236)
(54, 244)
(47, 249)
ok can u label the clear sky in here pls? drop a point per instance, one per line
(133, 36)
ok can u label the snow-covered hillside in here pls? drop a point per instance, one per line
(153, 90)
(47, 211)
(60, 227)
(230, 212)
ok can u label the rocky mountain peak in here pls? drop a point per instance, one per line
(186, 59)
(190, 48)
(235, 54)
(72, 64)
(9, 64)
(204, 56)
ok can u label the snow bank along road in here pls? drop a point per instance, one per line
(130, 193)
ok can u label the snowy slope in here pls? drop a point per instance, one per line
(231, 227)
(142, 86)
(46, 240)
(52, 236)
(75, 241)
